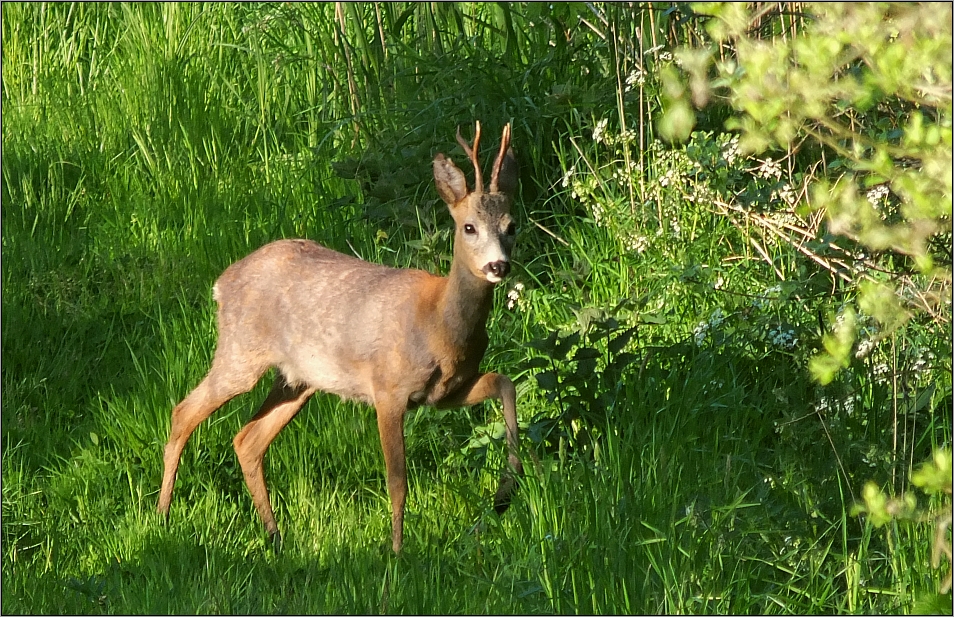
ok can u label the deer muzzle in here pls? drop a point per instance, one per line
(496, 270)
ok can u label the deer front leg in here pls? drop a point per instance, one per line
(494, 385)
(391, 428)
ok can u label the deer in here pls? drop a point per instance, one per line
(393, 338)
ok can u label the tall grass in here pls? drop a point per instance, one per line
(671, 466)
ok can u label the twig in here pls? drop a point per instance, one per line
(556, 237)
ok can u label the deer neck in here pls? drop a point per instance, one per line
(466, 303)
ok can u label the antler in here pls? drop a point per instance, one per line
(472, 155)
(504, 146)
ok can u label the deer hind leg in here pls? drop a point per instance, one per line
(494, 385)
(222, 384)
(279, 407)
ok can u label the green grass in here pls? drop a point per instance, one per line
(146, 147)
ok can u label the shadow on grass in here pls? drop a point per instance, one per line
(174, 576)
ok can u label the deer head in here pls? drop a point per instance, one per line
(484, 230)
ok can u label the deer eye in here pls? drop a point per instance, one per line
(469, 229)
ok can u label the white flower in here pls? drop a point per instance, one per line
(877, 194)
(597, 210)
(783, 338)
(864, 348)
(730, 151)
(675, 226)
(636, 77)
(599, 130)
(513, 296)
(786, 194)
(840, 318)
(568, 176)
(715, 320)
(770, 169)
(772, 293)
(636, 243)
(627, 137)
(848, 404)
(700, 193)
(670, 177)
(923, 363)
(699, 333)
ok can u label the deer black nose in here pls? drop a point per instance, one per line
(497, 268)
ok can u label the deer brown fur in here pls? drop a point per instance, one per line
(392, 338)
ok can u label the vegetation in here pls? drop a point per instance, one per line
(694, 239)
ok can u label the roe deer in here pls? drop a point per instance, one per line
(393, 338)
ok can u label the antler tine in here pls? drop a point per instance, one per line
(504, 146)
(472, 155)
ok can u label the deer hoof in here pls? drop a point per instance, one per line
(276, 542)
(505, 490)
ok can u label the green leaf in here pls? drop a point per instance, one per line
(676, 122)
(932, 604)
(586, 353)
(538, 362)
(621, 361)
(935, 475)
(546, 345)
(562, 348)
(837, 354)
(547, 380)
(617, 344)
(876, 504)
(923, 399)
(881, 302)
(586, 367)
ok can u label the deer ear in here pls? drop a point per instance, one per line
(450, 181)
(506, 179)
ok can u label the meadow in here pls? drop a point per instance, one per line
(659, 324)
